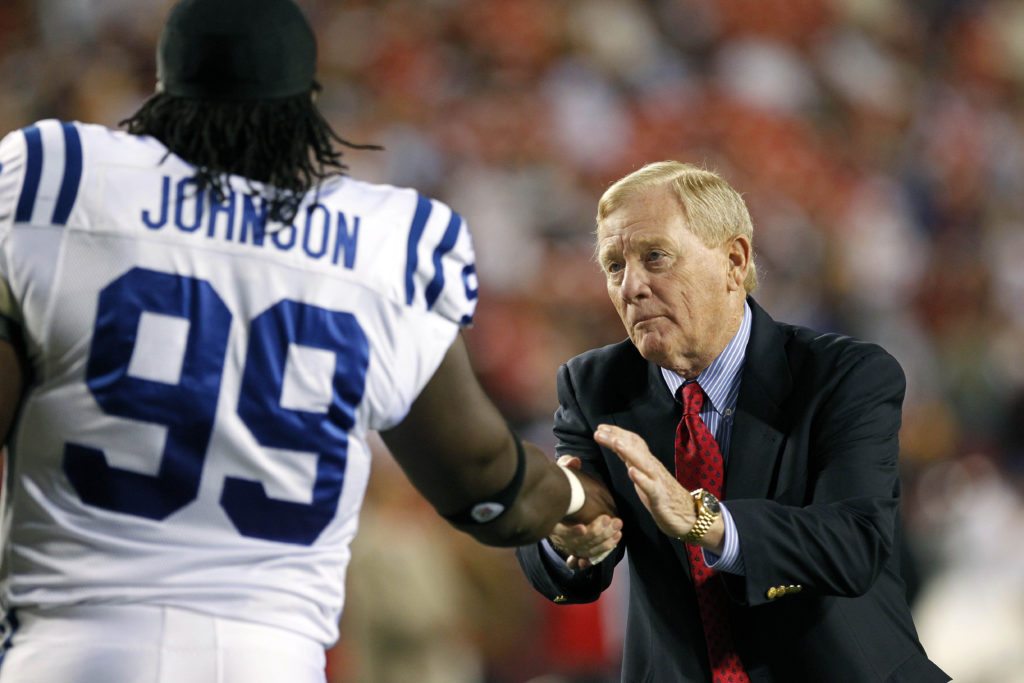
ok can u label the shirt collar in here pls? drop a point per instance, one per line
(720, 379)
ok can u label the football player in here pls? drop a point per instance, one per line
(201, 318)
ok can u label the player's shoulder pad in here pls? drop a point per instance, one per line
(427, 248)
(40, 173)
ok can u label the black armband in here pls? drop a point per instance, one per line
(492, 508)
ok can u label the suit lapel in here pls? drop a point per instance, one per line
(757, 434)
(652, 412)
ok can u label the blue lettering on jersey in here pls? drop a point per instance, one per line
(147, 218)
(321, 434)
(241, 218)
(254, 219)
(346, 240)
(314, 237)
(218, 208)
(472, 287)
(284, 239)
(197, 197)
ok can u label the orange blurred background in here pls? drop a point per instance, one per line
(879, 145)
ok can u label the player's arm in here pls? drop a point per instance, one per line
(10, 387)
(11, 368)
(457, 450)
(10, 379)
(12, 348)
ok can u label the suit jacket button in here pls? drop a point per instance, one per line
(772, 592)
(560, 599)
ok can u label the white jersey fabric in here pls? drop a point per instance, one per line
(194, 432)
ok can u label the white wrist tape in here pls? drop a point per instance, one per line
(578, 497)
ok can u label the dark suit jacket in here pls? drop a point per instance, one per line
(812, 484)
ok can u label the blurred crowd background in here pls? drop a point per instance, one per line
(879, 145)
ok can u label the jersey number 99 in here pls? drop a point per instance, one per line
(187, 408)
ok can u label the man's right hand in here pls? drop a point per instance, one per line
(592, 532)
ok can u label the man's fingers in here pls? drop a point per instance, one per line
(610, 436)
(593, 554)
(629, 446)
(588, 540)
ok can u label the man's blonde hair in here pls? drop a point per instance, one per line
(714, 211)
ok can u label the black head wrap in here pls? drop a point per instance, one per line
(236, 50)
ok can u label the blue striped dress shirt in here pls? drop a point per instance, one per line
(721, 382)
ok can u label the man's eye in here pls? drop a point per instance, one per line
(613, 267)
(655, 256)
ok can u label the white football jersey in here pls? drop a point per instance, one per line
(194, 431)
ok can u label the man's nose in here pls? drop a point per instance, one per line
(635, 282)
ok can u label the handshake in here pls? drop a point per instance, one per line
(588, 536)
(584, 539)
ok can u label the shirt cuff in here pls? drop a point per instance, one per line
(553, 560)
(731, 559)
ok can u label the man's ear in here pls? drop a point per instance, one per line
(738, 252)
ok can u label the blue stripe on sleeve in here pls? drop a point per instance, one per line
(33, 171)
(419, 222)
(451, 234)
(72, 174)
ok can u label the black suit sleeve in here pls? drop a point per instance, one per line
(831, 528)
(575, 437)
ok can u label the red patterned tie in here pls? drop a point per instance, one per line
(699, 465)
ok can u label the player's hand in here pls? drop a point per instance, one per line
(669, 503)
(587, 542)
(598, 499)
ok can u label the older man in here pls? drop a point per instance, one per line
(794, 576)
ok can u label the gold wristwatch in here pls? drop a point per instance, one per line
(708, 510)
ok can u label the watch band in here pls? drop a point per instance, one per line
(705, 517)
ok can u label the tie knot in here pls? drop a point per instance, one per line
(692, 397)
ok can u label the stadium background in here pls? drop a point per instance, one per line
(880, 146)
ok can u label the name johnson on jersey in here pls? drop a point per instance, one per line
(241, 217)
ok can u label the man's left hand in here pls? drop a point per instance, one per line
(671, 505)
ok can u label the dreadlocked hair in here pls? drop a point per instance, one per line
(285, 143)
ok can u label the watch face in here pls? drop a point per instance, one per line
(711, 503)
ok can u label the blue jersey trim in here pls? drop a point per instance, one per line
(419, 223)
(451, 235)
(33, 172)
(8, 625)
(72, 174)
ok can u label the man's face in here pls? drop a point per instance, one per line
(676, 297)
